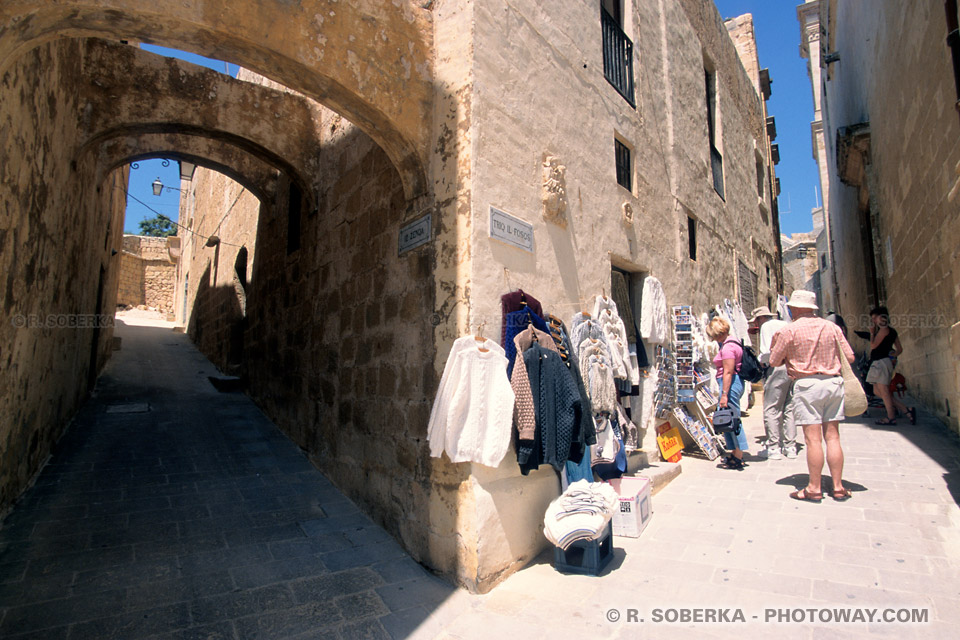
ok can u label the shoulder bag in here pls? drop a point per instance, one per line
(854, 398)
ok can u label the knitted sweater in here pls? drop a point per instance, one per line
(583, 328)
(598, 377)
(513, 323)
(616, 336)
(514, 301)
(654, 317)
(524, 415)
(587, 435)
(557, 404)
(472, 412)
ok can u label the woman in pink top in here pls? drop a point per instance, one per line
(728, 362)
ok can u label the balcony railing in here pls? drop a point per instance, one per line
(617, 57)
(716, 163)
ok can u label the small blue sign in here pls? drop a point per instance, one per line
(415, 234)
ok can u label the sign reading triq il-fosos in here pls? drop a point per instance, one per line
(513, 231)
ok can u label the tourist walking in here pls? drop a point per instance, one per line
(728, 361)
(884, 348)
(811, 349)
(778, 422)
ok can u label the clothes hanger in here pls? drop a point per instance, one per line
(479, 337)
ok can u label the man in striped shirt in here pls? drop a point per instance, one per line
(811, 348)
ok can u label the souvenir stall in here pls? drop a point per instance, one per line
(566, 397)
(687, 390)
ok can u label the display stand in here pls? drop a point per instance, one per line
(666, 394)
(686, 353)
(698, 430)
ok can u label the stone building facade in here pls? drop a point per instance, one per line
(352, 351)
(886, 95)
(148, 272)
(378, 115)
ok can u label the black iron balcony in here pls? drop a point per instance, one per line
(617, 57)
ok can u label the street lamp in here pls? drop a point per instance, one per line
(158, 187)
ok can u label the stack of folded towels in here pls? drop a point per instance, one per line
(580, 513)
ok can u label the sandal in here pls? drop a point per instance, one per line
(912, 414)
(841, 495)
(809, 496)
(885, 421)
(733, 462)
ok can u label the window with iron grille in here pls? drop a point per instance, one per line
(748, 286)
(624, 177)
(716, 160)
(617, 56)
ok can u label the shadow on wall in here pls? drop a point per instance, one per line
(217, 324)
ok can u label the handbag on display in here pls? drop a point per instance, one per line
(854, 398)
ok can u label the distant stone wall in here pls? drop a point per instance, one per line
(130, 292)
(148, 273)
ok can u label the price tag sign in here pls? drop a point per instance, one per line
(513, 231)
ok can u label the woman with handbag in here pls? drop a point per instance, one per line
(728, 361)
(814, 350)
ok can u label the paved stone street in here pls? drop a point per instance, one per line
(722, 538)
(171, 510)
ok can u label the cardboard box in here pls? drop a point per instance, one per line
(636, 508)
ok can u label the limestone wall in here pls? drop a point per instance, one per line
(148, 273)
(331, 333)
(338, 333)
(130, 291)
(540, 91)
(895, 73)
(58, 229)
(211, 283)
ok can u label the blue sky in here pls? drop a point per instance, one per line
(791, 103)
(778, 42)
(141, 179)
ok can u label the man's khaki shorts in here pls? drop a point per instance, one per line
(818, 399)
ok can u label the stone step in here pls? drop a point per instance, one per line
(648, 464)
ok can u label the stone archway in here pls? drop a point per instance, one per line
(128, 97)
(344, 54)
(250, 171)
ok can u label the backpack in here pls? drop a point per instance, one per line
(750, 368)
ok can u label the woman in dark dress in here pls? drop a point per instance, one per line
(884, 347)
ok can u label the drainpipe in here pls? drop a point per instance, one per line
(953, 40)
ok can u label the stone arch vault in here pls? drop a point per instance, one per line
(345, 55)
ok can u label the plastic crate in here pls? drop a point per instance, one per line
(586, 557)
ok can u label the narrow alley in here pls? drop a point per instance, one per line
(171, 510)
